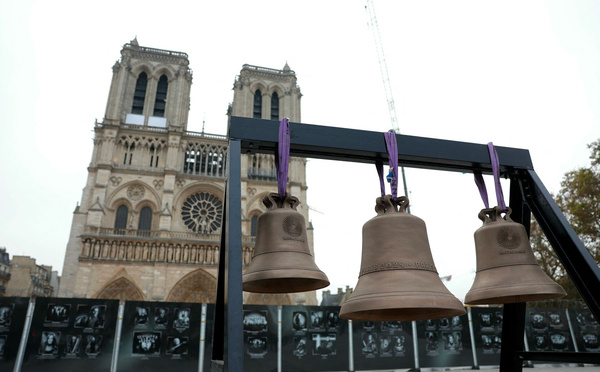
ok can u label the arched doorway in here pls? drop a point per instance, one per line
(121, 289)
(198, 286)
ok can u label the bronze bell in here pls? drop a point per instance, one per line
(282, 261)
(507, 270)
(398, 279)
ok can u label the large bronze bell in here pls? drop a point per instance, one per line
(282, 261)
(507, 270)
(398, 279)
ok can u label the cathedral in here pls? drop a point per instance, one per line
(149, 222)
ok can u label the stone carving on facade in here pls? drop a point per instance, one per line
(202, 213)
(116, 180)
(158, 184)
(135, 192)
(180, 182)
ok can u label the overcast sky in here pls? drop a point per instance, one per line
(522, 74)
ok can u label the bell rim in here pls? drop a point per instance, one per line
(282, 280)
(519, 293)
(435, 305)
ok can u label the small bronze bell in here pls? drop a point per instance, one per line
(398, 279)
(507, 270)
(282, 261)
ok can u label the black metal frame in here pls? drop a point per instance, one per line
(527, 195)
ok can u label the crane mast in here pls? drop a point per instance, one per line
(370, 8)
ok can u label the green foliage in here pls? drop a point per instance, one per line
(579, 200)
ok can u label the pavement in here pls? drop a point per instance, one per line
(536, 367)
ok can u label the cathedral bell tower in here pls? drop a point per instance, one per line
(149, 222)
(150, 87)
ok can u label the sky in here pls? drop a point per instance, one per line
(518, 74)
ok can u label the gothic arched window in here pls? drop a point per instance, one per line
(161, 96)
(121, 218)
(253, 225)
(275, 106)
(145, 219)
(257, 113)
(202, 213)
(139, 96)
(145, 223)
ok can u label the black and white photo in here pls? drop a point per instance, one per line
(161, 317)
(452, 342)
(255, 321)
(317, 321)
(90, 316)
(324, 344)
(538, 321)
(93, 344)
(141, 316)
(299, 321)
(49, 343)
(399, 346)
(182, 319)
(257, 347)
(6, 314)
(369, 343)
(300, 346)
(146, 343)
(385, 346)
(73, 345)
(58, 314)
(177, 345)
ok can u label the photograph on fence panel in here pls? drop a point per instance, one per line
(382, 345)
(314, 338)
(586, 330)
(260, 337)
(445, 342)
(158, 336)
(547, 329)
(71, 334)
(487, 330)
(13, 311)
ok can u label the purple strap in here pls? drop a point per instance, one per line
(496, 170)
(482, 189)
(392, 148)
(283, 158)
(379, 166)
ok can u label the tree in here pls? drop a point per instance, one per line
(579, 200)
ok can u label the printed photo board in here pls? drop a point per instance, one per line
(382, 345)
(487, 330)
(586, 330)
(13, 311)
(314, 338)
(260, 337)
(547, 329)
(160, 336)
(445, 342)
(71, 334)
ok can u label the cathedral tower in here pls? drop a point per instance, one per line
(149, 222)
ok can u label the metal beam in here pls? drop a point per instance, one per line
(574, 256)
(313, 141)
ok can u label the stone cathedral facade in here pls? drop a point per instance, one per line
(149, 221)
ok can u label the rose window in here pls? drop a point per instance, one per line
(202, 213)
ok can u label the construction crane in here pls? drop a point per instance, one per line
(370, 8)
